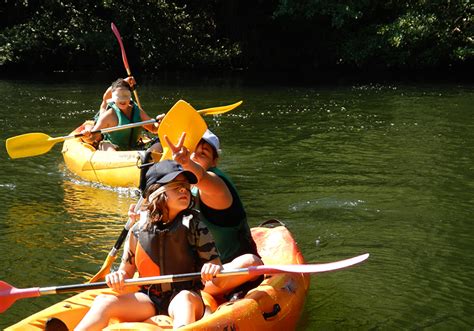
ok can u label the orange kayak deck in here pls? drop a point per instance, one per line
(277, 303)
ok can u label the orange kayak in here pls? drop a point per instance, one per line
(276, 304)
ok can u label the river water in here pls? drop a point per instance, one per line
(384, 169)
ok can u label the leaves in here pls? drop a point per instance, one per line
(71, 35)
(280, 34)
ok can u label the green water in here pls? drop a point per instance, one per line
(384, 169)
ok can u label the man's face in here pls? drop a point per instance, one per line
(204, 155)
(121, 97)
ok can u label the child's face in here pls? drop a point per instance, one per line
(121, 97)
(204, 155)
(179, 197)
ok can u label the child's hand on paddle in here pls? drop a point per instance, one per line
(209, 271)
(116, 280)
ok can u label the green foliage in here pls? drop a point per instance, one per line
(57, 35)
(164, 34)
(296, 35)
(402, 34)
(71, 35)
(430, 34)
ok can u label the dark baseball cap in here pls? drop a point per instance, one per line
(166, 171)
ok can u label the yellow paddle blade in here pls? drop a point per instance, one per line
(219, 110)
(182, 117)
(30, 144)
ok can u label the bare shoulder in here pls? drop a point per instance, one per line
(108, 118)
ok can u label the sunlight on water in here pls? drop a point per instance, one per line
(324, 203)
(383, 169)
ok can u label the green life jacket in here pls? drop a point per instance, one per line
(231, 240)
(125, 139)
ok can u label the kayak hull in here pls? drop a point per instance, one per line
(117, 169)
(276, 304)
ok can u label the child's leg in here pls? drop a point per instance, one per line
(185, 308)
(132, 307)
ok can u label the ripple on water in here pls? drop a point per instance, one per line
(324, 203)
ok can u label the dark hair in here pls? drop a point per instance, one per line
(120, 83)
(157, 208)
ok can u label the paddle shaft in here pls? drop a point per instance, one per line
(254, 271)
(111, 129)
(207, 111)
(126, 228)
(125, 61)
(136, 281)
(105, 269)
(10, 294)
(32, 144)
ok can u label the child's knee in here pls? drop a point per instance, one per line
(185, 296)
(189, 301)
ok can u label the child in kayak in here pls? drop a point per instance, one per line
(173, 240)
(117, 108)
(223, 213)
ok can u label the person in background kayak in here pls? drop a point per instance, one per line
(118, 108)
(223, 213)
(173, 240)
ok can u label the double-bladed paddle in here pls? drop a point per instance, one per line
(33, 144)
(9, 294)
(37, 143)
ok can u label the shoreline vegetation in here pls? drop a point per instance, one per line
(336, 77)
(268, 41)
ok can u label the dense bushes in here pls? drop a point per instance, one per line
(252, 35)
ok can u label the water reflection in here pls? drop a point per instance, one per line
(99, 214)
(91, 201)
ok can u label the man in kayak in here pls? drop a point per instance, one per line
(223, 213)
(173, 240)
(117, 108)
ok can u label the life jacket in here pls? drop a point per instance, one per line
(231, 240)
(165, 249)
(125, 139)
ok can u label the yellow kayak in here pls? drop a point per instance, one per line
(119, 169)
(276, 304)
